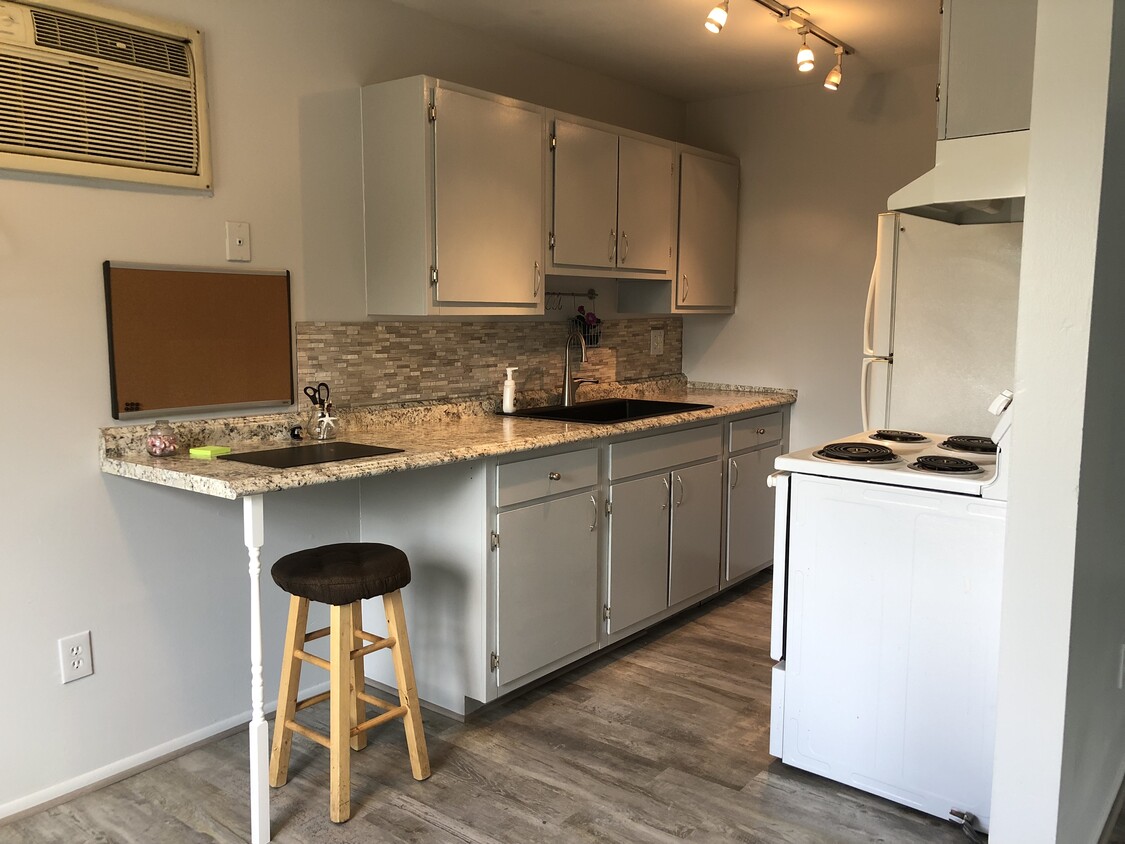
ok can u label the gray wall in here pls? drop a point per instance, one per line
(816, 169)
(158, 575)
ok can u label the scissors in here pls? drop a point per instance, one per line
(318, 395)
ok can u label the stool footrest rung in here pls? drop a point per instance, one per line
(379, 645)
(397, 712)
(312, 701)
(317, 634)
(307, 732)
(315, 660)
(374, 701)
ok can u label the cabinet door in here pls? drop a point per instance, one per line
(750, 511)
(708, 233)
(585, 223)
(638, 550)
(696, 523)
(987, 53)
(547, 583)
(488, 200)
(644, 206)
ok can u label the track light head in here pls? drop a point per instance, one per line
(835, 75)
(718, 17)
(805, 59)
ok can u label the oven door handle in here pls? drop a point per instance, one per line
(780, 483)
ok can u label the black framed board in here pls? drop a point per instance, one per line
(197, 339)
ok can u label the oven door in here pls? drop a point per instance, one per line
(780, 483)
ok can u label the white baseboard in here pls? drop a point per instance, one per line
(130, 765)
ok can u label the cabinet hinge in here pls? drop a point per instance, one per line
(433, 275)
(494, 540)
(433, 113)
(608, 507)
(551, 241)
(937, 93)
(606, 611)
(493, 661)
(554, 142)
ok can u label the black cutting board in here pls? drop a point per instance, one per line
(293, 456)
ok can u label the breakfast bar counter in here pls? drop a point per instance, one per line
(428, 434)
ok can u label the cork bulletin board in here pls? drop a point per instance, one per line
(196, 339)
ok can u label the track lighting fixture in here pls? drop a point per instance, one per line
(805, 59)
(835, 75)
(793, 18)
(718, 17)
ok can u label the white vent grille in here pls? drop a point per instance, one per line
(102, 98)
(102, 41)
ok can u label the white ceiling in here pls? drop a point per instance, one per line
(662, 45)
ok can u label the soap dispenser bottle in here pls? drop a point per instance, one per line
(508, 404)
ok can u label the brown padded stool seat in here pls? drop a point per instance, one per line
(343, 573)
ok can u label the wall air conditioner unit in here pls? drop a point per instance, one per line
(95, 92)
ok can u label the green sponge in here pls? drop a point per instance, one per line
(209, 452)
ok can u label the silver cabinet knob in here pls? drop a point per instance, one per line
(760, 431)
(553, 476)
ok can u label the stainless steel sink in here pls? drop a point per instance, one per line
(608, 411)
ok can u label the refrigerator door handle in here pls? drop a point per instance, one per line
(869, 315)
(865, 393)
(780, 483)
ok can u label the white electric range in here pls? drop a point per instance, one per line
(887, 571)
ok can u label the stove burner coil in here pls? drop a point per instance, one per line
(976, 445)
(899, 436)
(857, 453)
(945, 465)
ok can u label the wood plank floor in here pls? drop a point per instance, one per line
(661, 740)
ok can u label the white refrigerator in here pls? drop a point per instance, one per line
(939, 333)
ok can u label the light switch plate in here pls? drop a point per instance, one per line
(656, 341)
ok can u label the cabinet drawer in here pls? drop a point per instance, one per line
(525, 480)
(751, 433)
(663, 451)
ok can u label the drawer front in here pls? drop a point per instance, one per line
(663, 451)
(525, 480)
(756, 431)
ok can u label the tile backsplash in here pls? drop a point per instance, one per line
(384, 362)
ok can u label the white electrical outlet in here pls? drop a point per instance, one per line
(76, 660)
(656, 341)
(238, 241)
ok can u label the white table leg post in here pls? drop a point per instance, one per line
(254, 528)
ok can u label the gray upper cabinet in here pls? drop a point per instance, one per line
(708, 233)
(454, 192)
(988, 48)
(613, 207)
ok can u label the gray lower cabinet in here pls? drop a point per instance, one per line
(638, 550)
(754, 445)
(547, 584)
(697, 523)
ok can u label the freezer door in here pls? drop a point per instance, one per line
(878, 318)
(874, 392)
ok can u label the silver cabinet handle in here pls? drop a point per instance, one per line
(683, 295)
(594, 505)
(612, 244)
(667, 494)
(538, 279)
(680, 484)
(553, 476)
(760, 431)
(734, 473)
(625, 240)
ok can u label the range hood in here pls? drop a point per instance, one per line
(981, 179)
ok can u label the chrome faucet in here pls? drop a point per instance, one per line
(570, 386)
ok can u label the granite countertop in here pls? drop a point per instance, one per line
(429, 435)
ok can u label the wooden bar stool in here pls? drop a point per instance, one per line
(342, 575)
